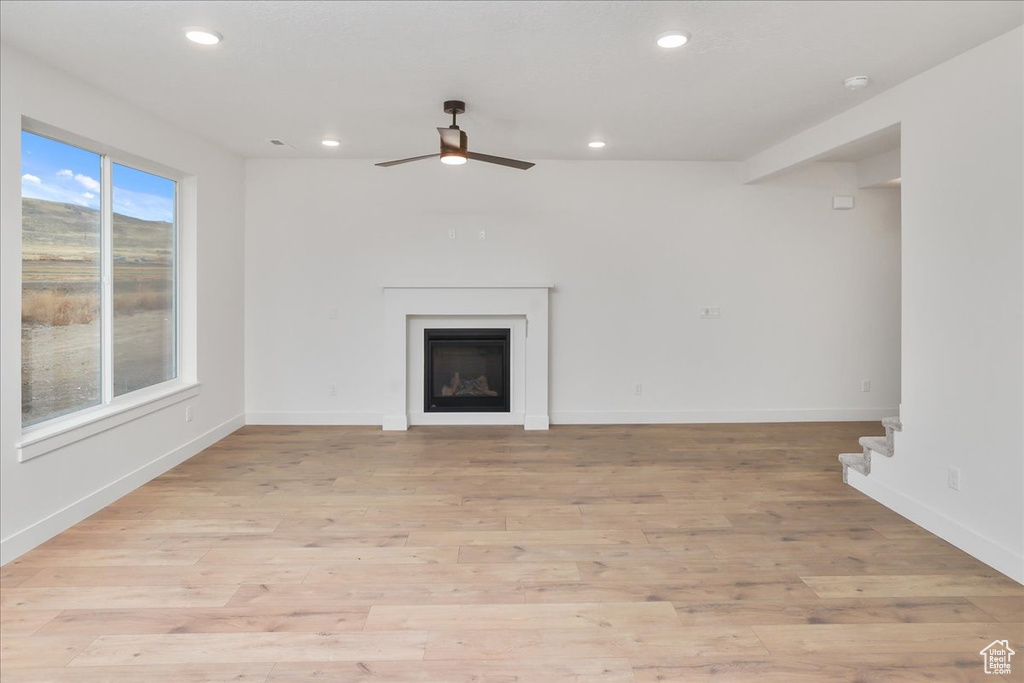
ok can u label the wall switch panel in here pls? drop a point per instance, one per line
(710, 312)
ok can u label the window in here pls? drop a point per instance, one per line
(99, 279)
(143, 252)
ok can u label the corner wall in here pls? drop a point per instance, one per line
(962, 127)
(44, 496)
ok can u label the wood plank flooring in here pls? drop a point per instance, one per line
(597, 554)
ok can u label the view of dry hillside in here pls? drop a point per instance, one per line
(60, 322)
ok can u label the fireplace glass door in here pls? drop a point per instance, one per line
(466, 370)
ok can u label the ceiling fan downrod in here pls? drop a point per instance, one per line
(454, 107)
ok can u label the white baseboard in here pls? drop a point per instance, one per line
(313, 418)
(584, 417)
(394, 423)
(536, 423)
(19, 543)
(581, 417)
(970, 541)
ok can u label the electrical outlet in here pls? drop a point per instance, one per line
(482, 235)
(332, 390)
(333, 314)
(954, 478)
(452, 234)
(638, 390)
(188, 413)
(865, 385)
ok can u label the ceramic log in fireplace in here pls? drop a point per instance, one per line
(466, 370)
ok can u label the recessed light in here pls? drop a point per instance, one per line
(596, 144)
(856, 82)
(203, 36)
(672, 39)
(328, 142)
(453, 160)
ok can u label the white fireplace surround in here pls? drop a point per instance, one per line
(409, 309)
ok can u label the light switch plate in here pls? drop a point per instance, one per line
(710, 312)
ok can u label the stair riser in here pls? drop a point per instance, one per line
(890, 438)
(860, 464)
(881, 445)
(878, 445)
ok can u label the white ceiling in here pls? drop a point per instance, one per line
(540, 78)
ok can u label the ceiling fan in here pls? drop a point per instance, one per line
(454, 145)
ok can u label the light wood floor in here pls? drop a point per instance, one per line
(584, 554)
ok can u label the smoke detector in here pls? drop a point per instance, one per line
(856, 82)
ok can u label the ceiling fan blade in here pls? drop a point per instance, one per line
(501, 161)
(405, 161)
(451, 137)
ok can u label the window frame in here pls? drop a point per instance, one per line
(112, 411)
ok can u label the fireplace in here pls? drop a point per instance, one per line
(466, 370)
(411, 309)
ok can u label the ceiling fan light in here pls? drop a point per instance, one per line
(453, 158)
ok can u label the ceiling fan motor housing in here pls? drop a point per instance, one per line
(451, 149)
(454, 107)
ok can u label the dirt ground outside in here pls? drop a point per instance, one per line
(61, 364)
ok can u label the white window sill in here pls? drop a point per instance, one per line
(62, 431)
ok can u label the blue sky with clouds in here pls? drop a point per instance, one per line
(58, 172)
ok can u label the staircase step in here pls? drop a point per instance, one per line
(892, 423)
(857, 461)
(878, 444)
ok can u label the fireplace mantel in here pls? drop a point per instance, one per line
(404, 303)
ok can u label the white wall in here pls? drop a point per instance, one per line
(43, 496)
(809, 296)
(877, 170)
(963, 294)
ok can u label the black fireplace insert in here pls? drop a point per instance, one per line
(466, 370)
